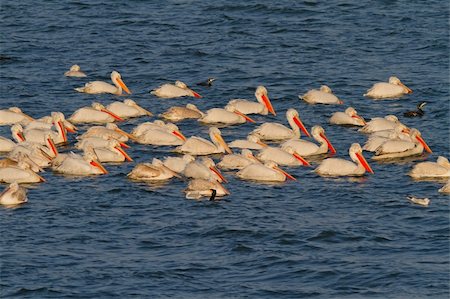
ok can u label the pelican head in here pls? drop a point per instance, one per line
(75, 68)
(180, 84)
(216, 137)
(15, 109)
(396, 81)
(262, 97)
(116, 78)
(443, 161)
(294, 120)
(355, 153)
(416, 135)
(91, 157)
(325, 88)
(17, 133)
(319, 134)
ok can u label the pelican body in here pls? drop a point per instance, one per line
(198, 188)
(21, 173)
(155, 171)
(252, 142)
(322, 96)
(40, 135)
(387, 90)
(112, 153)
(203, 169)
(341, 167)
(6, 145)
(75, 71)
(179, 89)
(237, 161)
(97, 87)
(438, 169)
(178, 164)
(200, 146)
(263, 106)
(307, 148)
(284, 157)
(229, 116)
(168, 134)
(389, 122)
(13, 116)
(347, 118)
(393, 149)
(97, 113)
(177, 113)
(74, 164)
(276, 131)
(127, 109)
(267, 172)
(110, 131)
(13, 195)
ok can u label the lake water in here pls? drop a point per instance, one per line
(106, 236)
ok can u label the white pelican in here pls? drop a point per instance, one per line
(95, 142)
(177, 113)
(47, 123)
(237, 161)
(204, 169)
(307, 148)
(38, 153)
(13, 195)
(382, 90)
(446, 188)
(96, 87)
(6, 145)
(155, 171)
(178, 164)
(267, 172)
(263, 106)
(97, 113)
(276, 131)
(341, 167)
(400, 132)
(200, 146)
(283, 157)
(169, 134)
(389, 122)
(21, 157)
(179, 89)
(13, 115)
(229, 116)
(39, 135)
(21, 173)
(75, 164)
(109, 131)
(393, 149)
(141, 128)
(200, 188)
(111, 153)
(322, 96)
(75, 71)
(252, 142)
(127, 109)
(438, 169)
(349, 117)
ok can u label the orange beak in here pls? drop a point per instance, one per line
(219, 174)
(244, 116)
(330, 146)
(408, 90)
(364, 162)
(299, 123)
(359, 117)
(21, 137)
(301, 159)
(196, 94)
(425, 145)
(124, 87)
(124, 145)
(268, 104)
(285, 173)
(223, 143)
(115, 116)
(179, 135)
(100, 166)
(262, 143)
(52, 146)
(126, 134)
(62, 127)
(127, 157)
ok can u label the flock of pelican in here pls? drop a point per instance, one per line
(269, 147)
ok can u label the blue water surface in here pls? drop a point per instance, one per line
(109, 237)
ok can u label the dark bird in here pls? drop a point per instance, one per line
(213, 195)
(418, 112)
(207, 83)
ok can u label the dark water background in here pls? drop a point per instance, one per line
(100, 237)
